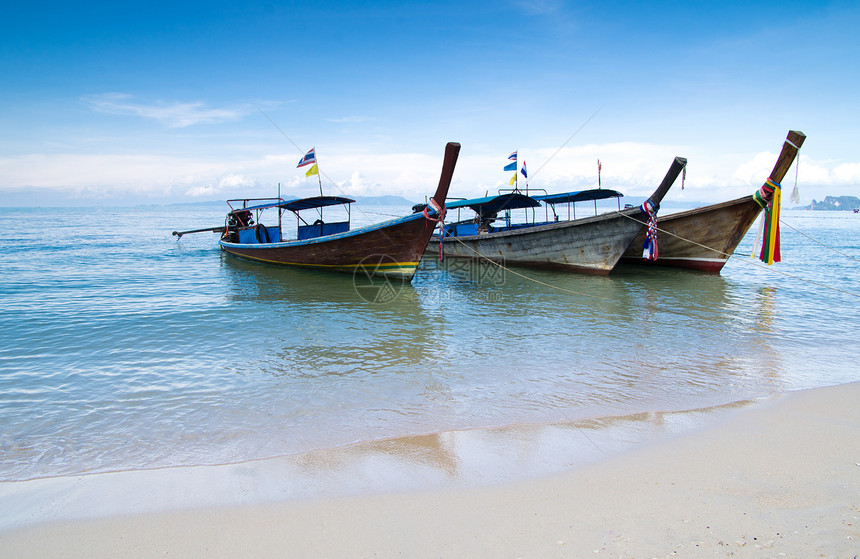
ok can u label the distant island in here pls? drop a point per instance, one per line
(835, 203)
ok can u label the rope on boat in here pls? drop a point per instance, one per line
(664, 232)
(382, 214)
(566, 142)
(795, 194)
(439, 209)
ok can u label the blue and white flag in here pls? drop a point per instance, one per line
(309, 158)
(523, 170)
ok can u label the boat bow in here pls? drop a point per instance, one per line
(678, 165)
(703, 238)
(437, 201)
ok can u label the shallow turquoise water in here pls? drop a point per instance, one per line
(121, 348)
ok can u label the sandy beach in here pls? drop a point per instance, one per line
(777, 478)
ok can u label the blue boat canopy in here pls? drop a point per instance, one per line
(315, 202)
(296, 205)
(579, 196)
(257, 207)
(489, 204)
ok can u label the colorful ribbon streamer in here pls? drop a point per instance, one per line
(650, 250)
(440, 211)
(769, 197)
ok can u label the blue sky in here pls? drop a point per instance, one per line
(114, 103)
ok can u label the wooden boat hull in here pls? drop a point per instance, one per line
(391, 249)
(704, 238)
(591, 245)
(701, 239)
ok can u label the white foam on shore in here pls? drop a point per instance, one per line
(776, 479)
(447, 459)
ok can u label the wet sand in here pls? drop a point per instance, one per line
(777, 478)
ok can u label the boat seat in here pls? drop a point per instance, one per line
(321, 229)
(248, 235)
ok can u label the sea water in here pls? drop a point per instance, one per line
(123, 348)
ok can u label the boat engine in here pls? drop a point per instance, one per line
(239, 218)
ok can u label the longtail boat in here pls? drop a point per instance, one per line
(591, 244)
(391, 249)
(703, 238)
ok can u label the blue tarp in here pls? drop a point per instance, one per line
(300, 204)
(490, 204)
(315, 202)
(579, 196)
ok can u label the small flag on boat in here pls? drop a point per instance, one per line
(513, 179)
(309, 158)
(313, 171)
(513, 156)
(523, 170)
(512, 166)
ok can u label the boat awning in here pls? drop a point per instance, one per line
(579, 196)
(315, 202)
(295, 205)
(273, 204)
(489, 204)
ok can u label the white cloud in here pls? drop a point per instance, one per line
(201, 191)
(231, 181)
(357, 185)
(804, 170)
(814, 173)
(173, 115)
(633, 168)
(752, 171)
(847, 173)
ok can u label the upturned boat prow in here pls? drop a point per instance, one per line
(702, 239)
